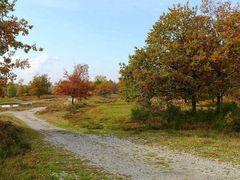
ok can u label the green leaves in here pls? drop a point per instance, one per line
(39, 85)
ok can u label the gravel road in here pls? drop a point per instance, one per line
(133, 161)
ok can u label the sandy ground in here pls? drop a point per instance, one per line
(122, 157)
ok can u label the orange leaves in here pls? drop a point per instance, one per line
(76, 84)
(105, 88)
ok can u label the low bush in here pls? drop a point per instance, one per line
(140, 114)
(74, 107)
(229, 107)
(174, 117)
(234, 118)
(11, 140)
(228, 119)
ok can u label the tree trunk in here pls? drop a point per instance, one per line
(219, 103)
(194, 105)
(185, 100)
(72, 100)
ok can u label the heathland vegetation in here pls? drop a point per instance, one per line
(180, 90)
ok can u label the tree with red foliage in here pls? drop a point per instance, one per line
(76, 85)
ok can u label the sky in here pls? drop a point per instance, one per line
(100, 33)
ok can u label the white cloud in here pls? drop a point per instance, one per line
(43, 64)
(36, 67)
(36, 63)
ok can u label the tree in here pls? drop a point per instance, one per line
(139, 78)
(39, 85)
(99, 79)
(225, 57)
(11, 29)
(174, 62)
(75, 84)
(105, 88)
(11, 90)
(183, 39)
(20, 90)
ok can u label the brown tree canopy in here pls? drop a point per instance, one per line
(189, 54)
(225, 55)
(75, 84)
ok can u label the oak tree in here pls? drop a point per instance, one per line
(225, 57)
(174, 61)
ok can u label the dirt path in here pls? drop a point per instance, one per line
(131, 160)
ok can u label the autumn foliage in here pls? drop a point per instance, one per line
(105, 88)
(11, 27)
(76, 84)
(189, 54)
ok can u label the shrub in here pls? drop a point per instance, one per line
(74, 107)
(229, 107)
(174, 117)
(236, 120)
(172, 111)
(158, 104)
(228, 119)
(140, 114)
(11, 140)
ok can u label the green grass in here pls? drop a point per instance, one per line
(97, 114)
(10, 101)
(112, 116)
(44, 161)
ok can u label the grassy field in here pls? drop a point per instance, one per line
(112, 116)
(9, 100)
(23, 99)
(41, 160)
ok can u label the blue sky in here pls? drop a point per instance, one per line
(100, 33)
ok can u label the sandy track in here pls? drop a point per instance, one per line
(131, 160)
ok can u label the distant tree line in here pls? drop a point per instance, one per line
(40, 85)
(75, 85)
